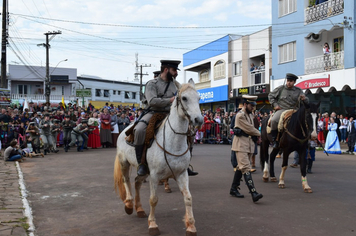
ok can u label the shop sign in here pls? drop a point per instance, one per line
(314, 83)
(258, 89)
(243, 91)
(215, 94)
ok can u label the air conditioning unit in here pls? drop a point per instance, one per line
(314, 37)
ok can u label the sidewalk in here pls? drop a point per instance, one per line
(12, 220)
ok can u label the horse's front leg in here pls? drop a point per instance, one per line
(138, 206)
(303, 167)
(152, 226)
(183, 183)
(129, 199)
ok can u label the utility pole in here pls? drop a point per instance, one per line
(145, 65)
(4, 43)
(47, 45)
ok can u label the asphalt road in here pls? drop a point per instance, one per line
(72, 194)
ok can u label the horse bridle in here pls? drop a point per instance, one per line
(189, 133)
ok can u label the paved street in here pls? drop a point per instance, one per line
(72, 194)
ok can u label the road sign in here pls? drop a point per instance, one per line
(83, 92)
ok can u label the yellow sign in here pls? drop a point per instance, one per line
(243, 91)
(101, 104)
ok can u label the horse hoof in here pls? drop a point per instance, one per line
(141, 214)
(278, 156)
(153, 231)
(189, 233)
(308, 190)
(128, 210)
(281, 186)
(273, 179)
(265, 179)
(167, 190)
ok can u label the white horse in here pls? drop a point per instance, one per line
(168, 156)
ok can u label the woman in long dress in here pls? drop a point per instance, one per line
(94, 136)
(105, 129)
(332, 144)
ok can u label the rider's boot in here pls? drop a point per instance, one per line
(274, 134)
(234, 191)
(191, 172)
(142, 169)
(249, 182)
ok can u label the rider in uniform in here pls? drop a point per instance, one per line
(244, 145)
(283, 98)
(159, 95)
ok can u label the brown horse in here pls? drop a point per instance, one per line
(300, 128)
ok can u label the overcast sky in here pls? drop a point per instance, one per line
(100, 38)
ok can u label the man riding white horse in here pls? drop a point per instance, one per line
(283, 98)
(159, 94)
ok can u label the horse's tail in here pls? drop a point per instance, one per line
(118, 179)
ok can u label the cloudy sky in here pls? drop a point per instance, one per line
(101, 38)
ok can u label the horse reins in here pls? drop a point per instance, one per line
(188, 134)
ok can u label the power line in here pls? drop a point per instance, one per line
(156, 27)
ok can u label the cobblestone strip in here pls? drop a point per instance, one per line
(12, 219)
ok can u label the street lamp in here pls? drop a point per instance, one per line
(47, 87)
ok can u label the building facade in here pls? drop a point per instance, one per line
(300, 29)
(224, 71)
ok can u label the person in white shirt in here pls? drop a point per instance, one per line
(344, 122)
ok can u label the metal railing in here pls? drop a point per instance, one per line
(323, 10)
(40, 97)
(213, 133)
(327, 62)
(257, 77)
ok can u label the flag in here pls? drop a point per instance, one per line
(63, 104)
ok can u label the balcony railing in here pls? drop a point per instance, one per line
(40, 97)
(257, 77)
(328, 62)
(323, 10)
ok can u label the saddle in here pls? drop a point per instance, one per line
(151, 130)
(283, 120)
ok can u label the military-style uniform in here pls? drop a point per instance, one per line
(244, 146)
(67, 129)
(55, 129)
(286, 98)
(157, 101)
(35, 136)
(77, 134)
(46, 136)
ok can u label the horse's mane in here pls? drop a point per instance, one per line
(185, 87)
(298, 116)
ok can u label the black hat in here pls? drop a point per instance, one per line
(170, 63)
(249, 99)
(84, 121)
(290, 76)
(47, 114)
(56, 121)
(156, 73)
(32, 123)
(67, 116)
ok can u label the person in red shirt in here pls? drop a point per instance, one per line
(326, 121)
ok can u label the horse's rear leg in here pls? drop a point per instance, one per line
(272, 160)
(284, 168)
(138, 206)
(167, 188)
(129, 199)
(183, 184)
(152, 226)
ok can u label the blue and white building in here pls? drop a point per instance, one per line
(223, 68)
(300, 28)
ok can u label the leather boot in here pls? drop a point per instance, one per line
(310, 165)
(142, 169)
(191, 172)
(253, 160)
(274, 134)
(234, 191)
(249, 182)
